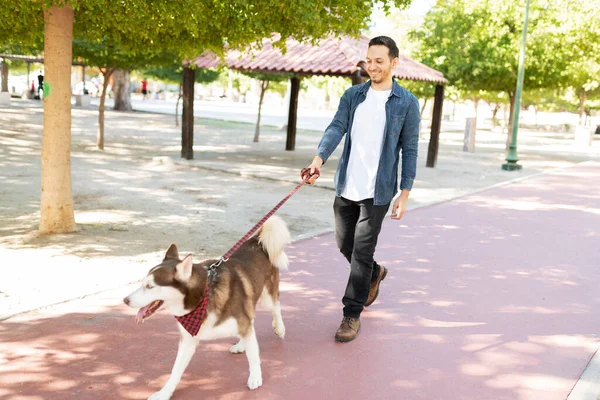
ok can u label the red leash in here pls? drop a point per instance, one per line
(193, 320)
(305, 175)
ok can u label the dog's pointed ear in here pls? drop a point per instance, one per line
(172, 252)
(183, 271)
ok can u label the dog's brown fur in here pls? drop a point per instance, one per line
(238, 284)
(236, 287)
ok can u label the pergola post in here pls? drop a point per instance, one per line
(28, 71)
(83, 78)
(290, 143)
(187, 118)
(356, 77)
(4, 76)
(436, 122)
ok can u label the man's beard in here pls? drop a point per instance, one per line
(381, 77)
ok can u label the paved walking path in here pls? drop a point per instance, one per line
(491, 296)
(137, 196)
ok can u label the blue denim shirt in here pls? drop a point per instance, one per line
(401, 133)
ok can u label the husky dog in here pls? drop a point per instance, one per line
(251, 274)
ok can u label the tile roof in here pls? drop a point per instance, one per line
(331, 56)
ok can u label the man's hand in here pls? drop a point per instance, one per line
(399, 207)
(314, 167)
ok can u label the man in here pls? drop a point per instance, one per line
(40, 78)
(379, 119)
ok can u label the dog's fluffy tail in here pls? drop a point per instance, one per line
(274, 236)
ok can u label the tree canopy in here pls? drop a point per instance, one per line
(476, 44)
(188, 27)
(173, 73)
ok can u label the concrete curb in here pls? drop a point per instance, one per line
(501, 184)
(312, 235)
(197, 164)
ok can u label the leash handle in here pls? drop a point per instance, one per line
(306, 175)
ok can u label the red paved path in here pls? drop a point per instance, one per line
(493, 296)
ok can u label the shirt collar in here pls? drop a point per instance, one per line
(396, 89)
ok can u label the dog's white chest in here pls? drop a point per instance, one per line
(209, 331)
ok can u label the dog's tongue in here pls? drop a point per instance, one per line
(147, 311)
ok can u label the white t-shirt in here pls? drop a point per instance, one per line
(367, 138)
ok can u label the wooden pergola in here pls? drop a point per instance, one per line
(334, 56)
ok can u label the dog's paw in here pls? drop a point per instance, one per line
(279, 329)
(237, 348)
(254, 381)
(161, 395)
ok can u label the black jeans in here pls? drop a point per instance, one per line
(357, 226)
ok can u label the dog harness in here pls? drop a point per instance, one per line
(192, 321)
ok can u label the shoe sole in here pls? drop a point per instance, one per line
(385, 271)
(346, 340)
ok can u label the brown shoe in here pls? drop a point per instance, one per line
(348, 329)
(374, 290)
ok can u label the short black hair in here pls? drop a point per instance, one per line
(387, 42)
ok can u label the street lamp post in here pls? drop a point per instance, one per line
(513, 157)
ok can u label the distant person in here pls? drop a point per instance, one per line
(40, 84)
(144, 89)
(379, 120)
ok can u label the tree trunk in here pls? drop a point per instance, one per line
(511, 115)
(495, 115)
(122, 90)
(588, 119)
(177, 107)
(107, 72)
(430, 117)
(504, 120)
(264, 85)
(4, 77)
(423, 108)
(476, 109)
(56, 200)
(187, 120)
(582, 99)
(453, 110)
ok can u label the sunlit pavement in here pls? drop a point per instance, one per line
(491, 296)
